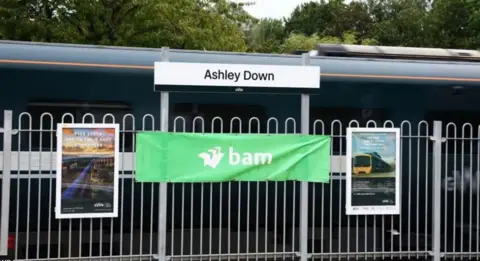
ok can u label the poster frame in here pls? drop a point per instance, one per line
(58, 194)
(372, 210)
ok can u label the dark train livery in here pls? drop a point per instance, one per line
(360, 85)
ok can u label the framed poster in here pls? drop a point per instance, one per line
(373, 171)
(87, 171)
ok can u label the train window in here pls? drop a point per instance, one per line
(461, 124)
(229, 113)
(43, 129)
(336, 120)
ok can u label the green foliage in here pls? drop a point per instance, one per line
(225, 25)
(32, 20)
(189, 24)
(414, 23)
(266, 36)
(332, 18)
(297, 41)
(401, 22)
(456, 23)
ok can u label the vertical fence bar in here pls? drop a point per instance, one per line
(437, 188)
(162, 195)
(7, 161)
(305, 124)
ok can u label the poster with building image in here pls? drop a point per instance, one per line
(373, 171)
(87, 171)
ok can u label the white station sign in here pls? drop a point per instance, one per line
(237, 75)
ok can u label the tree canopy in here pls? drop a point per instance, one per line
(226, 26)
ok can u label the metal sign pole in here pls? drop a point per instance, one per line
(437, 189)
(305, 126)
(7, 161)
(162, 195)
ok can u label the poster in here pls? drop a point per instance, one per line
(373, 171)
(87, 171)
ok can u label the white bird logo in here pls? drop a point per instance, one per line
(212, 157)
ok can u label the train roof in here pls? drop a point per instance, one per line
(397, 52)
(47, 56)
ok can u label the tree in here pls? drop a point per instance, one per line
(456, 23)
(184, 24)
(234, 11)
(32, 20)
(225, 25)
(189, 24)
(401, 22)
(14, 20)
(331, 19)
(308, 18)
(266, 36)
(301, 42)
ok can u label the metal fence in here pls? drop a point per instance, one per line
(248, 220)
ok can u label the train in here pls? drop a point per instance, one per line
(370, 162)
(360, 85)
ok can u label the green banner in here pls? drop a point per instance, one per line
(196, 157)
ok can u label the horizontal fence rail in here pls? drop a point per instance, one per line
(41, 162)
(246, 220)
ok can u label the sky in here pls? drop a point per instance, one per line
(273, 8)
(381, 143)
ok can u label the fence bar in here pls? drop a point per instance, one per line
(437, 188)
(162, 195)
(305, 122)
(7, 154)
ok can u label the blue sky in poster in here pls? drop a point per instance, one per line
(381, 143)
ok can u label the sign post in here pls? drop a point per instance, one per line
(5, 197)
(162, 195)
(238, 78)
(305, 127)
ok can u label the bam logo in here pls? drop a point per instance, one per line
(214, 156)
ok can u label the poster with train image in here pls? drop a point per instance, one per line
(87, 171)
(373, 171)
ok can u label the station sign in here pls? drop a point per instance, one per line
(173, 76)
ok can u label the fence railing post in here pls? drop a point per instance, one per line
(5, 197)
(437, 189)
(162, 195)
(305, 127)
